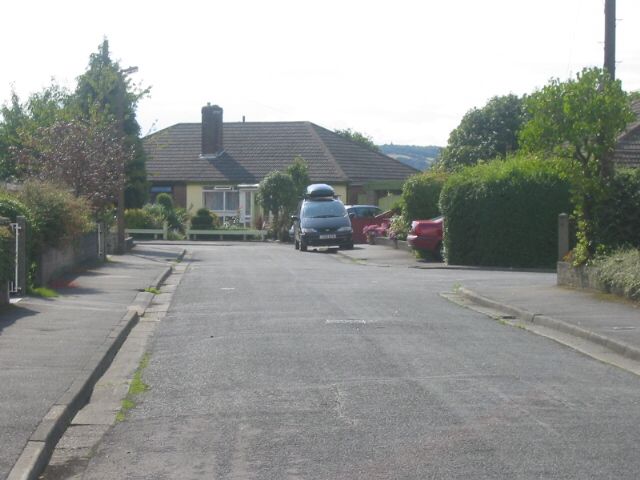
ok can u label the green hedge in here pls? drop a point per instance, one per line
(617, 218)
(420, 195)
(505, 213)
(7, 256)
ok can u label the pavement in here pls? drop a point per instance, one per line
(52, 351)
(605, 320)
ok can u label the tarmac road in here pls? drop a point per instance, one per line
(277, 364)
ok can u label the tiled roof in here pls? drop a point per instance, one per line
(252, 150)
(627, 152)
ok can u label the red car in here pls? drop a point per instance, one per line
(427, 235)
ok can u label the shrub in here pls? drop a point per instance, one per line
(61, 217)
(399, 228)
(11, 207)
(620, 272)
(204, 219)
(420, 196)
(505, 213)
(143, 218)
(165, 200)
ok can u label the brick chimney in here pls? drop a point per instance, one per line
(211, 130)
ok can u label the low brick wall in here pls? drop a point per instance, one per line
(55, 262)
(399, 244)
(583, 277)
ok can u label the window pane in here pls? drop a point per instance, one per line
(208, 200)
(233, 201)
(218, 201)
(247, 203)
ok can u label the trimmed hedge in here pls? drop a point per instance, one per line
(7, 262)
(617, 218)
(505, 213)
(420, 196)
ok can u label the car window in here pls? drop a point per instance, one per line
(323, 209)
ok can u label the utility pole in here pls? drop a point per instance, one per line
(610, 37)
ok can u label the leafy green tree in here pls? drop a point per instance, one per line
(278, 196)
(361, 138)
(20, 121)
(299, 172)
(107, 88)
(580, 120)
(485, 133)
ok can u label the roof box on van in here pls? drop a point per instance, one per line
(320, 190)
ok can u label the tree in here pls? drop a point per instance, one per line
(299, 172)
(361, 138)
(485, 133)
(107, 88)
(278, 196)
(20, 121)
(580, 120)
(88, 156)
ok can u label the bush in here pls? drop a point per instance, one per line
(505, 213)
(620, 272)
(204, 219)
(420, 196)
(165, 200)
(145, 217)
(61, 217)
(11, 207)
(399, 228)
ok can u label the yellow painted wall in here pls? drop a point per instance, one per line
(341, 191)
(194, 197)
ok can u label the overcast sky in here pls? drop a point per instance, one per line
(400, 71)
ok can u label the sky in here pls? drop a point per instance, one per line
(399, 71)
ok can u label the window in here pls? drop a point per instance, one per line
(221, 200)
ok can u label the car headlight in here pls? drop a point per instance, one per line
(309, 230)
(345, 229)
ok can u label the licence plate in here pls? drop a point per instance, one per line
(327, 236)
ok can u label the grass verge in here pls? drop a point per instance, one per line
(43, 292)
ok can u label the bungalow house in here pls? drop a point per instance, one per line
(219, 165)
(627, 150)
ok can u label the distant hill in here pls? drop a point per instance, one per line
(412, 155)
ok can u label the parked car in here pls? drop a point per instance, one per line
(363, 211)
(321, 220)
(426, 235)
